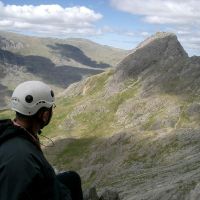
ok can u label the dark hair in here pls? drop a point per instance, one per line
(21, 116)
(26, 117)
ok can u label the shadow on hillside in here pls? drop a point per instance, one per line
(71, 52)
(61, 76)
(75, 152)
(67, 151)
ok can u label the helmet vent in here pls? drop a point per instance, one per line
(29, 98)
(52, 93)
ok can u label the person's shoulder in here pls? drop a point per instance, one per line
(20, 153)
(18, 147)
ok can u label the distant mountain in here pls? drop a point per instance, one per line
(54, 61)
(135, 128)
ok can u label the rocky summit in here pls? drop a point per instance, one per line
(162, 50)
(134, 129)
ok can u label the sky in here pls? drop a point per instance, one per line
(117, 23)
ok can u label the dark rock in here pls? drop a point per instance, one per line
(109, 195)
(90, 194)
(193, 109)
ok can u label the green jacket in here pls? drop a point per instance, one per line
(25, 174)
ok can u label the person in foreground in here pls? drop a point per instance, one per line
(25, 174)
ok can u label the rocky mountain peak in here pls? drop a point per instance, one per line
(161, 49)
(156, 36)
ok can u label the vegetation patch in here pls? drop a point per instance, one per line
(7, 114)
(115, 101)
(63, 108)
(152, 119)
(96, 83)
(70, 156)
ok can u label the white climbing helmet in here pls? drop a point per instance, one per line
(30, 96)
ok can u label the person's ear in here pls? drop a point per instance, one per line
(45, 116)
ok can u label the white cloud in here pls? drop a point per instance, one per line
(179, 16)
(48, 19)
(162, 11)
(188, 37)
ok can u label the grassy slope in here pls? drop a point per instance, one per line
(99, 114)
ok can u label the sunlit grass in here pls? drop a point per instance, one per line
(7, 114)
